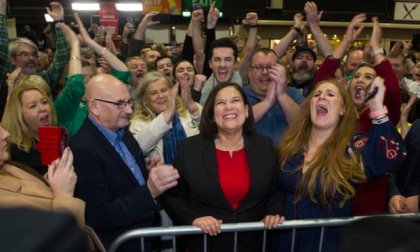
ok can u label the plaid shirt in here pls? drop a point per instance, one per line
(56, 69)
(4, 51)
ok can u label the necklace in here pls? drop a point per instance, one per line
(237, 146)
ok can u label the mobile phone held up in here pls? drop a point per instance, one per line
(161, 17)
(52, 142)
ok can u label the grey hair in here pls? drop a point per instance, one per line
(14, 46)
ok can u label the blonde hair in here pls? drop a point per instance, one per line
(141, 110)
(20, 133)
(336, 167)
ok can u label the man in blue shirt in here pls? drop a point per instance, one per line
(113, 180)
(274, 104)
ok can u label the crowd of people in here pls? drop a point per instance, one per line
(197, 135)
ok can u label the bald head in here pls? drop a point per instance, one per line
(354, 58)
(109, 101)
(102, 84)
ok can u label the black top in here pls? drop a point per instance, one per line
(31, 158)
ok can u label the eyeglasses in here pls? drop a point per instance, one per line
(260, 68)
(27, 54)
(120, 104)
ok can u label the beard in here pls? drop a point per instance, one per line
(302, 78)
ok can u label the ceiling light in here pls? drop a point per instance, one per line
(186, 13)
(85, 6)
(129, 6)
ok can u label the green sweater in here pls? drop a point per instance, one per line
(71, 110)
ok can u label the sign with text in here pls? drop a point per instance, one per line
(108, 17)
(189, 4)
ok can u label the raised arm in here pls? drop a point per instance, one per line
(352, 33)
(55, 71)
(313, 18)
(212, 18)
(251, 20)
(67, 103)
(112, 59)
(139, 37)
(293, 34)
(330, 65)
(197, 39)
(384, 69)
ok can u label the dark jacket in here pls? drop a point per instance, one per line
(199, 192)
(115, 202)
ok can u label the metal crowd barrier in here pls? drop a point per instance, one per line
(243, 227)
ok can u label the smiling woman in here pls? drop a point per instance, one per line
(29, 107)
(227, 175)
(161, 118)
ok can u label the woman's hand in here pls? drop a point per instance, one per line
(354, 28)
(61, 175)
(272, 221)
(84, 35)
(12, 78)
(171, 107)
(209, 225)
(375, 37)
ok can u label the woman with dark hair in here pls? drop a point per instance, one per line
(184, 71)
(226, 174)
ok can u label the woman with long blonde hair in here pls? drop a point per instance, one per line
(161, 118)
(28, 108)
(322, 159)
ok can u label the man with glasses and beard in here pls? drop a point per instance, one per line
(303, 70)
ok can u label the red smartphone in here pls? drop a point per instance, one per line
(52, 142)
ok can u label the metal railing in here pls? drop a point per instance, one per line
(246, 226)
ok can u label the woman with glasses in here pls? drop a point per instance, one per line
(161, 118)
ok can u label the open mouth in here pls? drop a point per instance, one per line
(223, 74)
(230, 116)
(45, 120)
(321, 110)
(359, 92)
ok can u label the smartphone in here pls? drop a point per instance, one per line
(162, 17)
(173, 44)
(52, 142)
(371, 94)
(130, 20)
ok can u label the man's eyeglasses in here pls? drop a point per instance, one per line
(27, 54)
(260, 68)
(120, 104)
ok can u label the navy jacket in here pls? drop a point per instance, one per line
(115, 202)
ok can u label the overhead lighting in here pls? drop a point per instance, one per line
(48, 18)
(129, 6)
(186, 13)
(85, 6)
